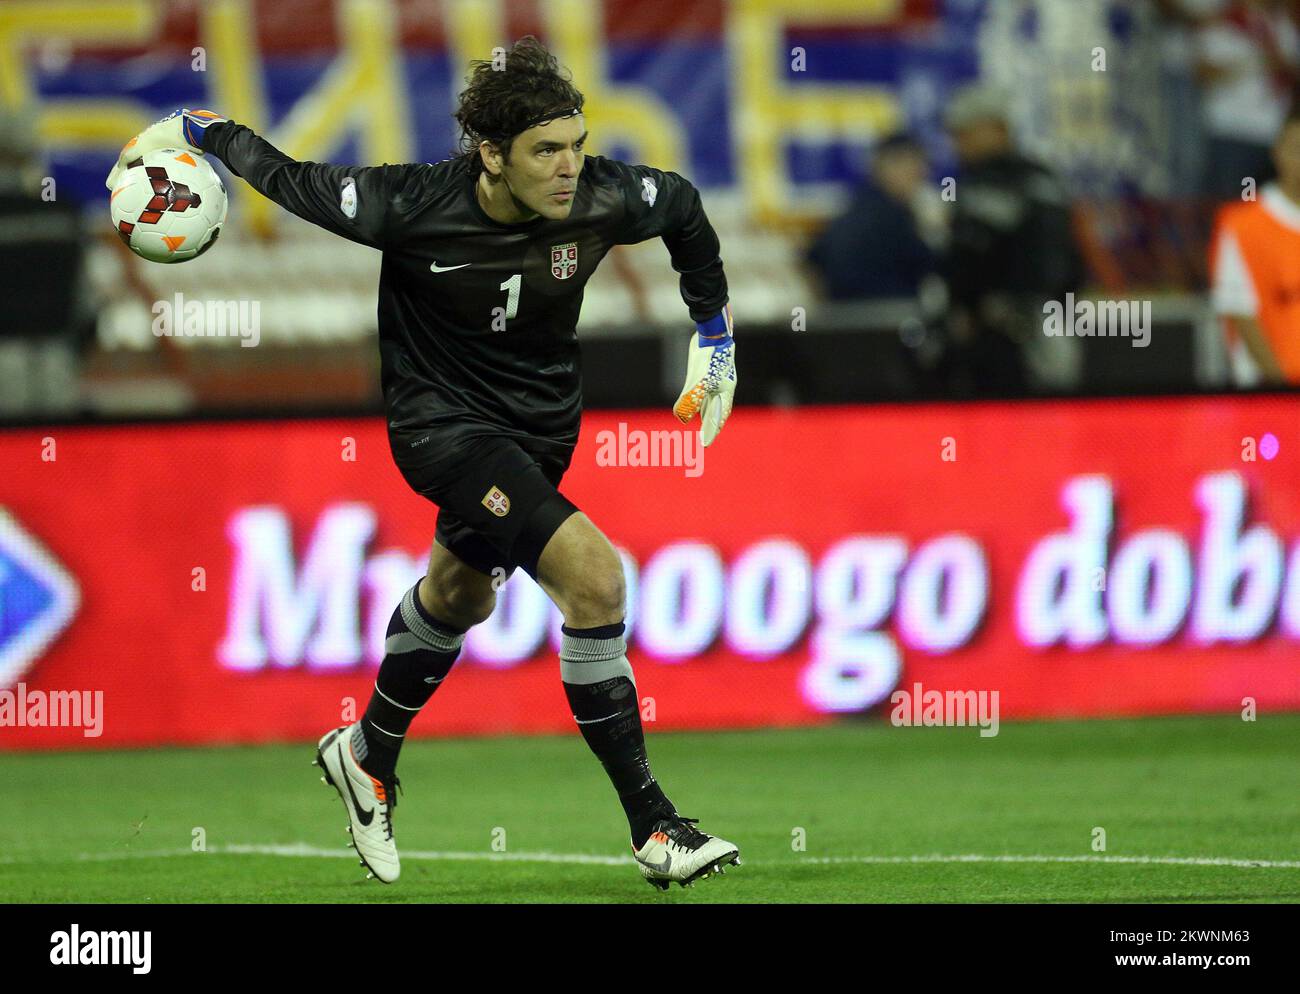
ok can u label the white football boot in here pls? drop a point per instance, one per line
(369, 803)
(678, 851)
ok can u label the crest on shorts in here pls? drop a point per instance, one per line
(564, 260)
(497, 502)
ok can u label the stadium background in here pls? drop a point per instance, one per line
(221, 528)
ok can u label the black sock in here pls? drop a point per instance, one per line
(418, 653)
(598, 683)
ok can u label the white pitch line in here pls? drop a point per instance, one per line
(302, 849)
(1268, 864)
(96, 857)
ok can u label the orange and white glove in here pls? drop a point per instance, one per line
(710, 376)
(182, 129)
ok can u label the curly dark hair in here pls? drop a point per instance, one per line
(498, 105)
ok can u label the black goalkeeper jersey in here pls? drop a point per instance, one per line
(477, 319)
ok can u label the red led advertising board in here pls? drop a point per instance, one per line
(231, 582)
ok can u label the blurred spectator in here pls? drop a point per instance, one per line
(1179, 22)
(874, 249)
(1247, 67)
(41, 259)
(1012, 248)
(1256, 283)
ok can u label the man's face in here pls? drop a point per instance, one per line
(902, 172)
(542, 173)
(981, 140)
(1286, 156)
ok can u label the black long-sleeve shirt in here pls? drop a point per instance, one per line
(451, 277)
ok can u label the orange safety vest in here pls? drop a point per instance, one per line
(1271, 251)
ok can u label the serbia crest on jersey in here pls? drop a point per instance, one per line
(564, 260)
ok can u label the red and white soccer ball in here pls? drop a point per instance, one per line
(168, 206)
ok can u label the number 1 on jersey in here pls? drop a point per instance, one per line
(512, 302)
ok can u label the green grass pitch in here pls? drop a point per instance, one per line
(884, 814)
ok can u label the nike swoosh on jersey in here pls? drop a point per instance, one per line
(363, 816)
(447, 269)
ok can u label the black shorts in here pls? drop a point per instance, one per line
(497, 497)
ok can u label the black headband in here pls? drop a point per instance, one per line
(542, 119)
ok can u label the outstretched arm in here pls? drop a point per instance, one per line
(357, 202)
(361, 203)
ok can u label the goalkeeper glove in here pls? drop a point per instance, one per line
(181, 129)
(710, 376)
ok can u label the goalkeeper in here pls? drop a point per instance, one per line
(485, 257)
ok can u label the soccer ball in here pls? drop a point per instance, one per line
(168, 206)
